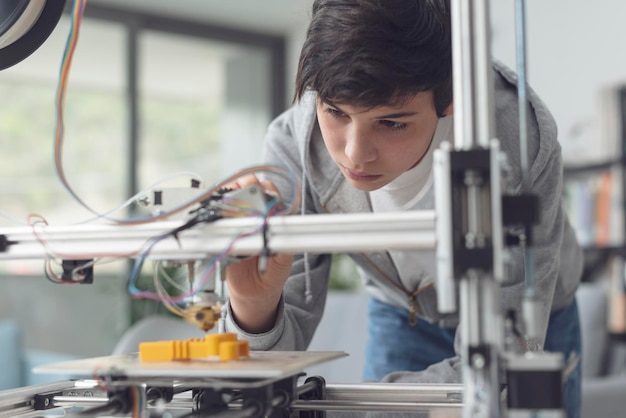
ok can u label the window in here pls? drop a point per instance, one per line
(204, 106)
(148, 97)
(94, 151)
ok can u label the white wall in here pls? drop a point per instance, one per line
(574, 49)
(295, 40)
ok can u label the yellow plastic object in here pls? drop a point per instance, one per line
(229, 350)
(226, 346)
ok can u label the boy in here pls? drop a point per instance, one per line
(374, 99)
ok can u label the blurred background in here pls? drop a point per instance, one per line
(161, 89)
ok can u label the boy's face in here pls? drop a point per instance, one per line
(372, 147)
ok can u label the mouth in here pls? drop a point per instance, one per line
(360, 176)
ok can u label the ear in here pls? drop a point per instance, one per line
(449, 110)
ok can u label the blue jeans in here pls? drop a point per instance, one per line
(394, 345)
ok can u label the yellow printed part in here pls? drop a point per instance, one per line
(244, 348)
(226, 346)
(157, 351)
(212, 342)
(234, 350)
(228, 336)
(229, 350)
(198, 348)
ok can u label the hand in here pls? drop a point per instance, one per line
(254, 295)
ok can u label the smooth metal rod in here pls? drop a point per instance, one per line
(428, 393)
(306, 387)
(522, 88)
(372, 406)
(79, 400)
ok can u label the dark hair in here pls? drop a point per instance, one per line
(370, 53)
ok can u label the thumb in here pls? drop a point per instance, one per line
(281, 263)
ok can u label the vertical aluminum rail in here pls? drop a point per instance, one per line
(472, 74)
(474, 128)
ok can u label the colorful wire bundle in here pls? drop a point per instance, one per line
(78, 9)
(138, 401)
(234, 208)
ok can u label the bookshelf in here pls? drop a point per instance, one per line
(593, 191)
(593, 194)
(594, 201)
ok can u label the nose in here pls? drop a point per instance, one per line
(360, 148)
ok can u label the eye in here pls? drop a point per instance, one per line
(334, 112)
(393, 125)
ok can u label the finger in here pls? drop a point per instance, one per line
(248, 180)
(283, 260)
(242, 182)
(270, 187)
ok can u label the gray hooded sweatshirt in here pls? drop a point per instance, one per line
(294, 139)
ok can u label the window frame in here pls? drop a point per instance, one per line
(136, 22)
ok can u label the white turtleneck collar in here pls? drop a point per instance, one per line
(406, 191)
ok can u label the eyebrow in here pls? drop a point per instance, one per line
(398, 115)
